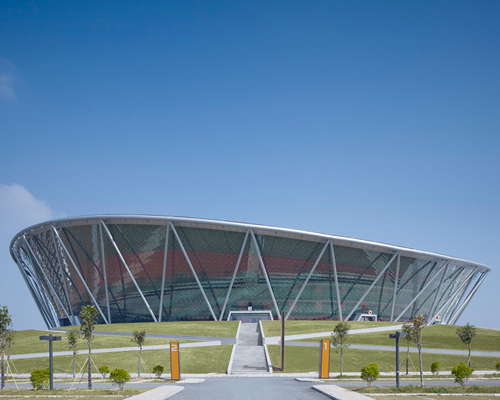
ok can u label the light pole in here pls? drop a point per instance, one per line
(51, 338)
(396, 336)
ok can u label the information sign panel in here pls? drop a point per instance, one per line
(175, 361)
(324, 359)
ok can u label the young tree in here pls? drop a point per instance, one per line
(340, 340)
(462, 374)
(73, 336)
(88, 316)
(139, 337)
(104, 371)
(370, 373)
(408, 329)
(5, 322)
(418, 323)
(9, 339)
(466, 334)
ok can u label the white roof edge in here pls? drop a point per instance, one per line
(247, 226)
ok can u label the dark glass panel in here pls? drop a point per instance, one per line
(250, 287)
(356, 271)
(143, 248)
(43, 247)
(319, 298)
(213, 255)
(287, 262)
(84, 245)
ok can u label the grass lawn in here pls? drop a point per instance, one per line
(426, 389)
(306, 359)
(193, 360)
(190, 328)
(29, 342)
(433, 337)
(273, 328)
(464, 397)
(80, 394)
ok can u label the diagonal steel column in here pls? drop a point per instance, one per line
(450, 300)
(372, 285)
(459, 312)
(46, 277)
(234, 275)
(447, 263)
(307, 280)
(396, 279)
(79, 274)
(128, 269)
(263, 266)
(63, 277)
(30, 288)
(192, 270)
(164, 271)
(455, 307)
(103, 256)
(42, 293)
(334, 262)
(419, 293)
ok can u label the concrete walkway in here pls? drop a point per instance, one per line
(159, 393)
(223, 340)
(249, 354)
(115, 350)
(338, 393)
(402, 349)
(277, 339)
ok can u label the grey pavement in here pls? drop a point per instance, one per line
(250, 389)
(402, 349)
(339, 393)
(223, 340)
(159, 393)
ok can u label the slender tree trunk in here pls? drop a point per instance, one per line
(420, 362)
(8, 361)
(341, 361)
(74, 362)
(90, 364)
(139, 363)
(469, 354)
(407, 354)
(2, 387)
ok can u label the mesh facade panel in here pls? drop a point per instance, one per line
(69, 269)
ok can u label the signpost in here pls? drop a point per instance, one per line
(282, 341)
(324, 359)
(175, 361)
(51, 338)
(396, 336)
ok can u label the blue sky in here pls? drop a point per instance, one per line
(378, 120)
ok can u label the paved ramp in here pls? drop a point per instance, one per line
(249, 355)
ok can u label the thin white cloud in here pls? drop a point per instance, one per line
(20, 209)
(8, 79)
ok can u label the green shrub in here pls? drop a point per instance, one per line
(158, 370)
(497, 366)
(462, 374)
(40, 378)
(370, 373)
(104, 370)
(120, 377)
(435, 367)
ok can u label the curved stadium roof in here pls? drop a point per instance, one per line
(212, 267)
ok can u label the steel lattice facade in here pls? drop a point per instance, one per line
(151, 268)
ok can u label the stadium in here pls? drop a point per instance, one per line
(137, 268)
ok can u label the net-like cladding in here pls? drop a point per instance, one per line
(136, 267)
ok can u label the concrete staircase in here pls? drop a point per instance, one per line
(249, 356)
